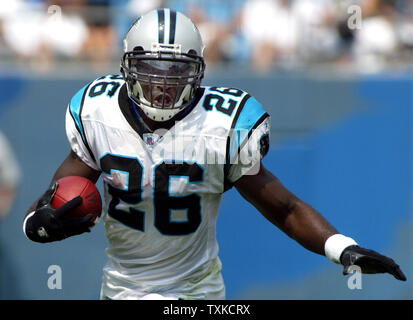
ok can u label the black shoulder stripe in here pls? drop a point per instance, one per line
(239, 110)
(227, 166)
(260, 120)
(161, 25)
(234, 121)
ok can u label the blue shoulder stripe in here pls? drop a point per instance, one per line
(75, 107)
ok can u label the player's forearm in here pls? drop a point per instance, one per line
(307, 226)
(74, 166)
(298, 220)
(282, 208)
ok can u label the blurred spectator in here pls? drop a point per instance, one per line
(405, 29)
(102, 37)
(376, 42)
(214, 23)
(271, 30)
(10, 8)
(345, 31)
(38, 31)
(317, 33)
(65, 31)
(22, 32)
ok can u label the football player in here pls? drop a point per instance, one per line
(167, 149)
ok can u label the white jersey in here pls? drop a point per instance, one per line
(163, 189)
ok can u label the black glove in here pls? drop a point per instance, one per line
(369, 261)
(48, 224)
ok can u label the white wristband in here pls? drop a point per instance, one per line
(335, 246)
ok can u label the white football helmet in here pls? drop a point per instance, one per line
(162, 63)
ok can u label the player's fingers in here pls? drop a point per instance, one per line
(382, 264)
(398, 274)
(69, 206)
(76, 226)
(347, 269)
(80, 223)
(394, 269)
(374, 266)
(87, 221)
(389, 267)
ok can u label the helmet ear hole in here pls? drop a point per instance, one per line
(138, 48)
(192, 52)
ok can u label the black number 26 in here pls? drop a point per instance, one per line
(163, 201)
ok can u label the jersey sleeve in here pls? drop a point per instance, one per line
(75, 129)
(249, 141)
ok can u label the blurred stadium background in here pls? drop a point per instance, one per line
(339, 91)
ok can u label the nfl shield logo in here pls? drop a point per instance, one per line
(149, 139)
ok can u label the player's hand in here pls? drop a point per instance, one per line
(48, 224)
(369, 261)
